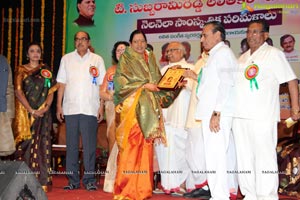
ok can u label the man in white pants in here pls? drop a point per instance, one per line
(261, 70)
(172, 158)
(215, 107)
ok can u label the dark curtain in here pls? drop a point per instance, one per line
(23, 21)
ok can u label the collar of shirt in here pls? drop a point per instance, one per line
(85, 55)
(83, 21)
(178, 63)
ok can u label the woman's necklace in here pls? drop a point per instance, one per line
(30, 66)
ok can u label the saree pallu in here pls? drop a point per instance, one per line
(33, 135)
(134, 179)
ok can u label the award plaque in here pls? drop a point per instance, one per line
(170, 79)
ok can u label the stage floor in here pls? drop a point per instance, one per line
(59, 181)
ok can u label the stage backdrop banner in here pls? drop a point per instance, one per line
(182, 20)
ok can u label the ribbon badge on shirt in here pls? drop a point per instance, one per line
(47, 75)
(94, 73)
(199, 79)
(110, 81)
(250, 73)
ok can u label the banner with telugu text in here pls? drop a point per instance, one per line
(182, 20)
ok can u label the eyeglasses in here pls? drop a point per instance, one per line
(254, 32)
(84, 39)
(171, 50)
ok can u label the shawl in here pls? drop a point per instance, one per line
(132, 73)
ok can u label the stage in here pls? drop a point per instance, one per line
(59, 181)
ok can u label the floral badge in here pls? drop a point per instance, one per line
(110, 81)
(94, 73)
(47, 75)
(250, 73)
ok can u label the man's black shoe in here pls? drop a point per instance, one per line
(198, 193)
(91, 187)
(71, 187)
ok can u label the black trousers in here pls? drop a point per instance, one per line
(87, 126)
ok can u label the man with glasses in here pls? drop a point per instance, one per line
(80, 75)
(261, 70)
(172, 158)
(86, 10)
(215, 108)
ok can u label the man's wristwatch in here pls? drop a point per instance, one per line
(216, 113)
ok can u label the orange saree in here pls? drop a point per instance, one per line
(134, 172)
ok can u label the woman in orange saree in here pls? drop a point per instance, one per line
(139, 118)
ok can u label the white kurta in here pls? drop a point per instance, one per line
(216, 93)
(216, 89)
(172, 158)
(255, 121)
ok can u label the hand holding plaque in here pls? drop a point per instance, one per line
(171, 78)
(190, 74)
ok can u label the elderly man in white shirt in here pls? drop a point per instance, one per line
(261, 70)
(172, 158)
(80, 75)
(215, 108)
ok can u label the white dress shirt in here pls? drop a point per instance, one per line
(274, 69)
(81, 95)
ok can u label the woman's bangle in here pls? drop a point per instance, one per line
(33, 111)
(295, 111)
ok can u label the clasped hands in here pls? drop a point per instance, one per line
(38, 113)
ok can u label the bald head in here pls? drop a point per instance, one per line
(175, 52)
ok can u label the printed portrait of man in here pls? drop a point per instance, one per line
(86, 10)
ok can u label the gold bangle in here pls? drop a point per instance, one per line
(295, 112)
(33, 111)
